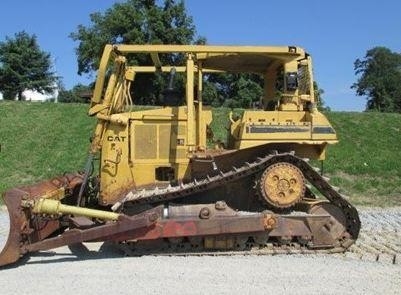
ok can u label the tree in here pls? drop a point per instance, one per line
(379, 79)
(321, 105)
(233, 90)
(23, 66)
(76, 94)
(136, 22)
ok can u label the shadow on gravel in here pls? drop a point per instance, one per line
(79, 252)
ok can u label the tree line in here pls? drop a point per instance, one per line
(23, 65)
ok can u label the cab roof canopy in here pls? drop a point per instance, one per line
(254, 59)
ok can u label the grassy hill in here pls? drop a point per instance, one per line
(41, 140)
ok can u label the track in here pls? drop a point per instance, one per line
(379, 239)
(158, 195)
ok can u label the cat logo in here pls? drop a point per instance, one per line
(116, 138)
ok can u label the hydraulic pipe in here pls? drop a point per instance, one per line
(49, 206)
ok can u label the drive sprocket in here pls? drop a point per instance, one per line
(282, 185)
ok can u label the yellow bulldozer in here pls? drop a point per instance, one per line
(165, 185)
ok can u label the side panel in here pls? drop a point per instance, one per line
(115, 168)
(152, 149)
(308, 134)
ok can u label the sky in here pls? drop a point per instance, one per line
(335, 33)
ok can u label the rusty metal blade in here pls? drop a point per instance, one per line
(12, 251)
(21, 231)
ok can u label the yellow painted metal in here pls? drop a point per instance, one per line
(286, 51)
(296, 129)
(190, 103)
(54, 207)
(167, 69)
(310, 72)
(101, 75)
(113, 118)
(111, 98)
(152, 138)
(282, 185)
(154, 146)
(200, 125)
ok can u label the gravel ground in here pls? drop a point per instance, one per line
(371, 266)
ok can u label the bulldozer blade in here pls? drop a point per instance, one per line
(21, 230)
(12, 251)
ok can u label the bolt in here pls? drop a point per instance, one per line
(221, 205)
(153, 217)
(204, 213)
(269, 221)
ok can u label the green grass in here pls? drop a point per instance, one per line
(366, 162)
(41, 140)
